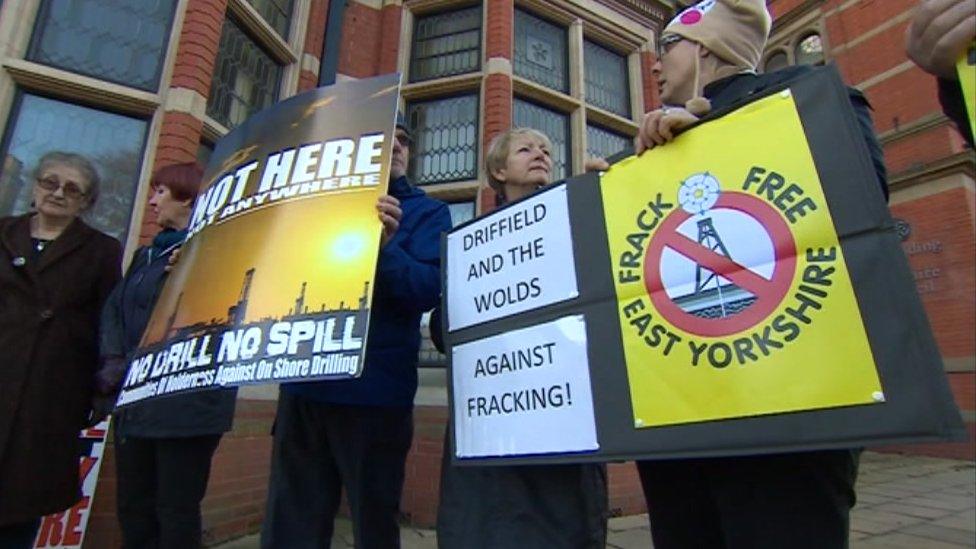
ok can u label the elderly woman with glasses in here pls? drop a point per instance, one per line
(502, 507)
(55, 274)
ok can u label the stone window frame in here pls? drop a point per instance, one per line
(607, 28)
(574, 104)
(285, 51)
(18, 75)
(790, 30)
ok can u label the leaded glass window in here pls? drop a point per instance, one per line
(555, 125)
(809, 51)
(606, 79)
(461, 212)
(245, 78)
(113, 142)
(605, 143)
(122, 41)
(276, 12)
(446, 44)
(445, 139)
(541, 51)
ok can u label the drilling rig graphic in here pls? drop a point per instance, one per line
(237, 311)
(713, 296)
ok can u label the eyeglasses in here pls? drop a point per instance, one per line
(52, 184)
(665, 44)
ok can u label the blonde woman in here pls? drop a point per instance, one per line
(501, 507)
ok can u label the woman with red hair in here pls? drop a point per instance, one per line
(163, 447)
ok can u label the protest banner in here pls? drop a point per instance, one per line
(740, 290)
(500, 376)
(504, 260)
(966, 69)
(67, 528)
(274, 281)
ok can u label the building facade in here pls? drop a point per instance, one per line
(139, 84)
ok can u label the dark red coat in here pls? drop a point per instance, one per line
(49, 314)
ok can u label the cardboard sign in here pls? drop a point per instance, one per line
(733, 290)
(743, 291)
(67, 528)
(274, 282)
(530, 386)
(512, 263)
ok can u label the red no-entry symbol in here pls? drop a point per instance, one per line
(769, 293)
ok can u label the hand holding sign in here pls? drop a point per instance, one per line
(659, 126)
(939, 34)
(390, 215)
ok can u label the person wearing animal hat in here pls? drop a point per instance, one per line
(707, 60)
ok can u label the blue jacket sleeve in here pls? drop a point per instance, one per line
(410, 268)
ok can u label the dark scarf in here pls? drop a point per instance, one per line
(165, 241)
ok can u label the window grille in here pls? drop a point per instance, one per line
(541, 52)
(123, 41)
(445, 139)
(446, 44)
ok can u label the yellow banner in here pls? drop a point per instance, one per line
(733, 293)
(967, 79)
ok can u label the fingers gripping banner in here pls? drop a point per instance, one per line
(274, 281)
(733, 290)
(739, 290)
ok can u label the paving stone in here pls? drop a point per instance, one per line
(942, 533)
(626, 523)
(412, 539)
(913, 510)
(869, 526)
(888, 491)
(247, 542)
(939, 500)
(634, 538)
(898, 540)
(962, 521)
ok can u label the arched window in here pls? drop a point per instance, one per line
(776, 61)
(809, 51)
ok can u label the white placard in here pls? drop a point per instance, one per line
(524, 392)
(518, 259)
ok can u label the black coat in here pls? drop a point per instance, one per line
(49, 308)
(954, 106)
(740, 89)
(124, 319)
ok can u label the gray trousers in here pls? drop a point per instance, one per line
(522, 507)
(319, 449)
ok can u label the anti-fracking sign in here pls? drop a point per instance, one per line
(274, 281)
(740, 290)
(735, 283)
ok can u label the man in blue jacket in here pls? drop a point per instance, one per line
(356, 433)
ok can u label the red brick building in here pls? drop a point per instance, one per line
(137, 85)
(930, 168)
